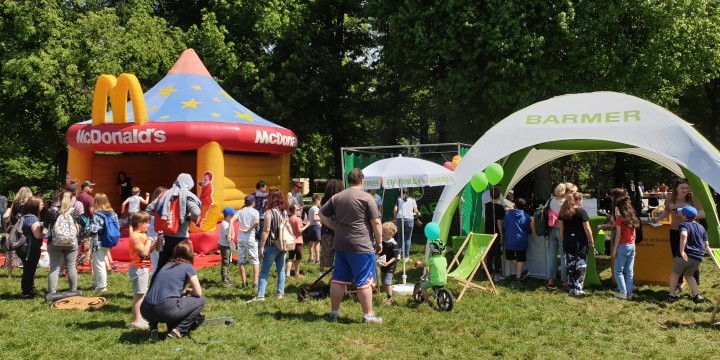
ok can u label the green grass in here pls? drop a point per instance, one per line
(524, 321)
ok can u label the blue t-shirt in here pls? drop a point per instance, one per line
(169, 282)
(28, 222)
(696, 238)
(516, 225)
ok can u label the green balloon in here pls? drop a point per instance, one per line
(494, 173)
(479, 181)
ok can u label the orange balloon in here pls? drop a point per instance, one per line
(453, 165)
(456, 157)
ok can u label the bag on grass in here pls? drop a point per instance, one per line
(110, 234)
(65, 231)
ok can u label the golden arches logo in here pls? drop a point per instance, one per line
(118, 89)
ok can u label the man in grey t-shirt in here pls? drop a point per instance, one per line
(356, 217)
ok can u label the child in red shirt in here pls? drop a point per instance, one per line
(297, 227)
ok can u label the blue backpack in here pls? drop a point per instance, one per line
(110, 235)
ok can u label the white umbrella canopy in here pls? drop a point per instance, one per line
(403, 172)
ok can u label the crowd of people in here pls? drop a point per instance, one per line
(343, 228)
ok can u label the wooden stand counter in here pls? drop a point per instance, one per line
(653, 258)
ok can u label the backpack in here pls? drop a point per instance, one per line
(540, 220)
(284, 239)
(110, 234)
(171, 225)
(15, 238)
(65, 231)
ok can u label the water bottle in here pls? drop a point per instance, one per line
(160, 241)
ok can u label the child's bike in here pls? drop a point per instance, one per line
(445, 299)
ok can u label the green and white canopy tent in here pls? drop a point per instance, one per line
(599, 121)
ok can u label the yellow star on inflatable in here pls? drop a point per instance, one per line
(166, 91)
(215, 114)
(247, 117)
(153, 108)
(197, 87)
(226, 95)
(164, 117)
(216, 99)
(190, 104)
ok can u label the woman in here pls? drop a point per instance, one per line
(11, 215)
(276, 213)
(151, 233)
(61, 205)
(554, 241)
(574, 226)
(167, 300)
(101, 204)
(680, 197)
(405, 211)
(125, 186)
(30, 252)
(327, 235)
(624, 249)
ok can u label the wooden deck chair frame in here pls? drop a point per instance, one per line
(717, 301)
(467, 283)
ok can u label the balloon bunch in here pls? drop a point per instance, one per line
(451, 165)
(492, 175)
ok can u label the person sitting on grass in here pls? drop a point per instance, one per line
(140, 248)
(437, 268)
(391, 252)
(516, 227)
(693, 242)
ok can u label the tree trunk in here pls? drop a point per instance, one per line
(712, 90)
(543, 183)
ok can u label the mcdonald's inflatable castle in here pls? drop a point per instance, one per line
(185, 124)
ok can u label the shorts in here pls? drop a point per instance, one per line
(248, 248)
(140, 278)
(296, 254)
(386, 277)
(314, 233)
(518, 255)
(354, 269)
(687, 268)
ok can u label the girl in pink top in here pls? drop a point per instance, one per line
(297, 227)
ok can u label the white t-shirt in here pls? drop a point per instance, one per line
(405, 208)
(134, 204)
(295, 198)
(556, 204)
(246, 218)
(378, 200)
(311, 215)
(224, 228)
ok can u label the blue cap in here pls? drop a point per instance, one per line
(228, 211)
(688, 211)
(249, 199)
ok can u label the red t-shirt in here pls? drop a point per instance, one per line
(627, 233)
(296, 224)
(87, 201)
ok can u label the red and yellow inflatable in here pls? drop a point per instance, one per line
(185, 123)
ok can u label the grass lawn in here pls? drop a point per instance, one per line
(524, 321)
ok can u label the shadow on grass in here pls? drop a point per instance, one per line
(136, 337)
(304, 316)
(672, 324)
(92, 325)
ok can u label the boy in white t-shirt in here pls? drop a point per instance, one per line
(133, 204)
(247, 245)
(314, 234)
(226, 244)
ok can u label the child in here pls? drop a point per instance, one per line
(247, 246)
(297, 228)
(224, 242)
(693, 242)
(133, 204)
(140, 247)
(516, 227)
(494, 214)
(391, 251)
(624, 250)
(315, 226)
(437, 268)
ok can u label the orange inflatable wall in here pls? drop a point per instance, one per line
(242, 172)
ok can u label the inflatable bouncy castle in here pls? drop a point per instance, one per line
(185, 123)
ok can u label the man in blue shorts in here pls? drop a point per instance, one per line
(356, 217)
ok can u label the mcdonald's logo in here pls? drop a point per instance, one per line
(118, 89)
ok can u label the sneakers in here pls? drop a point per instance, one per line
(579, 292)
(334, 316)
(524, 274)
(673, 297)
(371, 319)
(255, 299)
(620, 295)
(698, 298)
(139, 325)
(154, 335)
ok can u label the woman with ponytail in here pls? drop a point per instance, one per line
(624, 249)
(574, 226)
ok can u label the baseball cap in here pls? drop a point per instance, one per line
(297, 183)
(87, 183)
(228, 211)
(72, 188)
(249, 199)
(688, 211)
